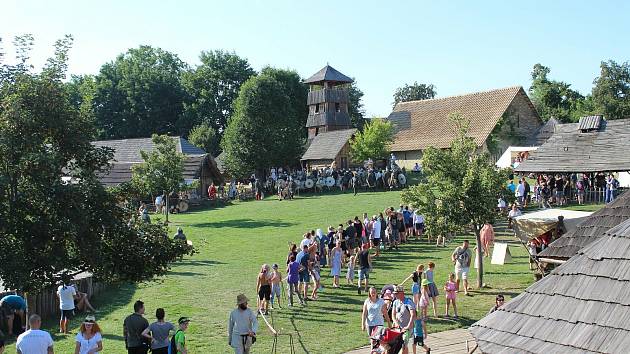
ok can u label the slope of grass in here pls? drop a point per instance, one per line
(234, 241)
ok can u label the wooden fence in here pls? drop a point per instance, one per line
(46, 303)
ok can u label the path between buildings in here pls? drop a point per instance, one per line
(447, 342)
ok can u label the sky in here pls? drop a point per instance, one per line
(458, 46)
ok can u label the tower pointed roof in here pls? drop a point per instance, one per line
(328, 73)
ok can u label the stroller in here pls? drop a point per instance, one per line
(386, 340)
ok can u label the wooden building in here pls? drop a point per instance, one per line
(582, 306)
(498, 119)
(328, 123)
(588, 231)
(198, 164)
(592, 145)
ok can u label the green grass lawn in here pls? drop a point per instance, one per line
(233, 241)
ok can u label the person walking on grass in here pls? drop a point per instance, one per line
(461, 258)
(133, 326)
(316, 275)
(179, 339)
(404, 316)
(303, 258)
(418, 222)
(67, 295)
(487, 238)
(263, 289)
(419, 328)
(336, 256)
(374, 312)
(423, 302)
(242, 327)
(416, 277)
(450, 288)
(89, 339)
(293, 279)
(158, 333)
(432, 290)
(276, 285)
(375, 234)
(34, 341)
(365, 265)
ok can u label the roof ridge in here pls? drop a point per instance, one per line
(463, 94)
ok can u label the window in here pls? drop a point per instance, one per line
(317, 108)
(337, 107)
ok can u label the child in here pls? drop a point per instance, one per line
(433, 290)
(423, 302)
(450, 288)
(533, 252)
(418, 336)
(417, 278)
(276, 286)
(350, 274)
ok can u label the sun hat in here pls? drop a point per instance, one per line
(183, 320)
(399, 289)
(387, 295)
(425, 282)
(241, 299)
(89, 319)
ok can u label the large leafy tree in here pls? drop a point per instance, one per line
(140, 94)
(414, 92)
(213, 86)
(205, 137)
(611, 94)
(355, 106)
(460, 190)
(373, 141)
(162, 169)
(555, 98)
(57, 219)
(267, 128)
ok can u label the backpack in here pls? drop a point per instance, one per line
(173, 347)
(463, 257)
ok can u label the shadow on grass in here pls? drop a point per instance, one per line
(185, 274)
(202, 263)
(245, 223)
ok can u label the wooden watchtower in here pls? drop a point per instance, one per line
(327, 102)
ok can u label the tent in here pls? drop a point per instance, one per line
(624, 179)
(510, 154)
(530, 225)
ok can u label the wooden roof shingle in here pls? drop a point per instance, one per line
(326, 146)
(428, 123)
(128, 150)
(571, 150)
(328, 73)
(590, 229)
(582, 306)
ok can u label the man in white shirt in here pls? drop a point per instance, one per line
(34, 341)
(307, 241)
(375, 236)
(66, 296)
(520, 192)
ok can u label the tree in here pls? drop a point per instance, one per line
(213, 86)
(461, 188)
(140, 94)
(205, 137)
(414, 92)
(611, 94)
(162, 169)
(57, 219)
(355, 106)
(267, 128)
(373, 142)
(555, 98)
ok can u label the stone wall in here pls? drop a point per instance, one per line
(520, 125)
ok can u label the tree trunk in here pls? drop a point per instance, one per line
(167, 206)
(479, 256)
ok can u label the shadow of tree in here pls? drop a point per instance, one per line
(244, 223)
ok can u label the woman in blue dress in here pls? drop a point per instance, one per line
(336, 255)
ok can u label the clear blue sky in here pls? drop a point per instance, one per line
(459, 46)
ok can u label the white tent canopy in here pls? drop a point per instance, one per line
(510, 154)
(530, 225)
(624, 179)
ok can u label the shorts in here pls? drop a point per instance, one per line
(462, 272)
(376, 242)
(420, 226)
(418, 341)
(394, 236)
(276, 290)
(406, 336)
(364, 273)
(304, 276)
(264, 292)
(409, 225)
(415, 288)
(67, 314)
(559, 194)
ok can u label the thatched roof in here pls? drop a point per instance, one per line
(328, 73)
(572, 149)
(583, 306)
(590, 229)
(326, 146)
(420, 124)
